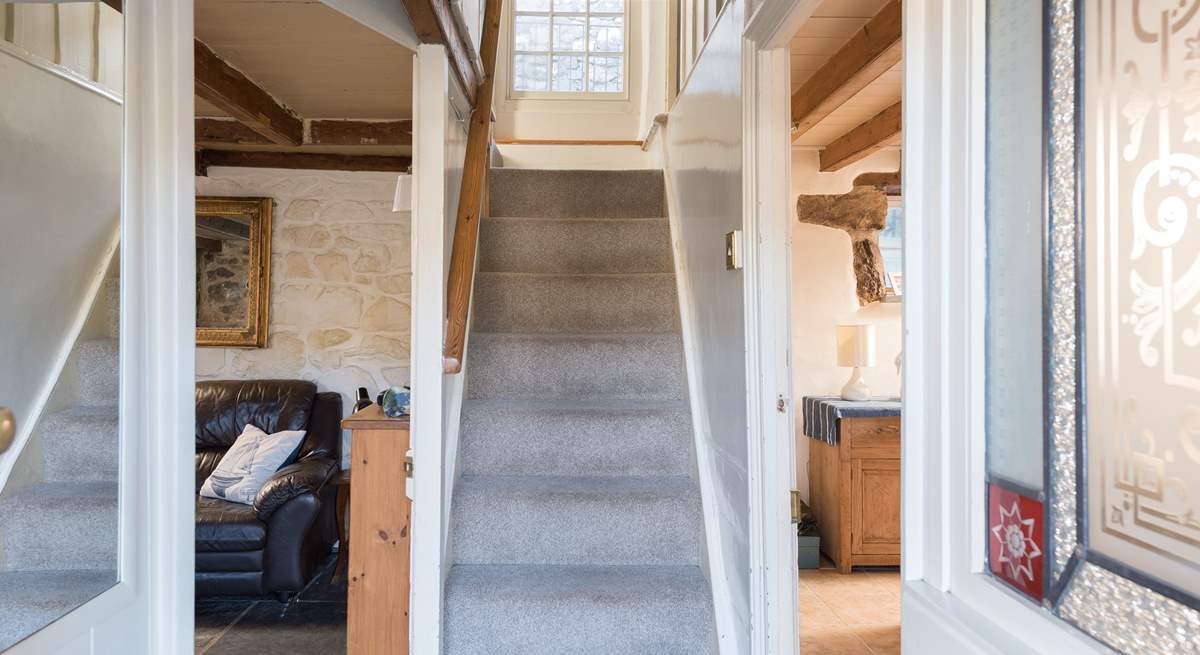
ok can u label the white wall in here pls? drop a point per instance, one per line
(623, 119)
(704, 181)
(60, 195)
(340, 282)
(823, 295)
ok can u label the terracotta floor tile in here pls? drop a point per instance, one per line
(832, 640)
(881, 639)
(866, 610)
(814, 613)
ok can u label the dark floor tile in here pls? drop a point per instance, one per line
(213, 616)
(323, 588)
(297, 628)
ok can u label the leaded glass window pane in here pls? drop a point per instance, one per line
(530, 73)
(568, 73)
(605, 74)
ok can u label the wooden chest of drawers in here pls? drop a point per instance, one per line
(855, 492)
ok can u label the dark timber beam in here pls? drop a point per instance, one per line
(439, 21)
(866, 56)
(217, 132)
(227, 88)
(329, 132)
(301, 160)
(881, 130)
(115, 4)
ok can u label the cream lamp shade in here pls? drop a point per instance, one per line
(856, 345)
(856, 348)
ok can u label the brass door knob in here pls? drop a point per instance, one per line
(8, 428)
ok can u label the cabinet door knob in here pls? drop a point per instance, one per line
(8, 428)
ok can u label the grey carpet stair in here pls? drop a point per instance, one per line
(80, 444)
(97, 364)
(60, 526)
(576, 366)
(568, 438)
(576, 520)
(576, 526)
(548, 303)
(576, 194)
(31, 599)
(584, 245)
(58, 537)
(578, 610)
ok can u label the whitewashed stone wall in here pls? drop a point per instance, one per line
(340, 281)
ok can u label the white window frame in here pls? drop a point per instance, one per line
(514, 94)
(949, 603)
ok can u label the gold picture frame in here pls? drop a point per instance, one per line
(221, 221)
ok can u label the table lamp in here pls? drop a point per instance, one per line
(856, 348)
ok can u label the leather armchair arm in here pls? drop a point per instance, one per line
(303, 477)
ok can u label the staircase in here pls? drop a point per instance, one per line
(58, 537)
(576, 524)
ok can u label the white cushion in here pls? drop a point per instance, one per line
(249, 463)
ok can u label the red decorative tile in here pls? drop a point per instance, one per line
(1015, 546)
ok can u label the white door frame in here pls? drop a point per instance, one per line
(948, 606)
(766, 197)
(150, 609)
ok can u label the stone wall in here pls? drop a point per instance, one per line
(340, 281)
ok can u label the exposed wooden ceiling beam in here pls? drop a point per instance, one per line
(881, 130)
(330, 132)
(227, 88)
(866, 56)
(301, 160)
(222, 131)
(440, 21)
(217, 132)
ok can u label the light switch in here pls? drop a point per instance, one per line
(733, 250)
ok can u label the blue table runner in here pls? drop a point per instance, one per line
(823, 414)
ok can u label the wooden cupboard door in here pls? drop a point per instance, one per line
(875, 497)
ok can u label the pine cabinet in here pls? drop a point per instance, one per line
(855, 492)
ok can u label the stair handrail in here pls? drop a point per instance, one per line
(470, 197)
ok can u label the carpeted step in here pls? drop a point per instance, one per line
(575, 438)
(551, 245)
(547, 303)
(59, 526)
(531, 193)
(578, 610)
(112, 306)
(588, 366)
(80, 444)
(31, 600)
(97, 363)
(576, 520)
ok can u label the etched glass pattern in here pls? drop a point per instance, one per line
(1143, 287)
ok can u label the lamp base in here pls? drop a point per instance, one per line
(856, 388)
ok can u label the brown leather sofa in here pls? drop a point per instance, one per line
(276, 545)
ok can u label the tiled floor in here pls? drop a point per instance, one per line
(313, 622)
(855, 614)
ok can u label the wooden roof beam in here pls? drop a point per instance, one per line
(228, 88)
(868, 54)
(441, 22)
(880, 131)
(217, 132)
(301, 160)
